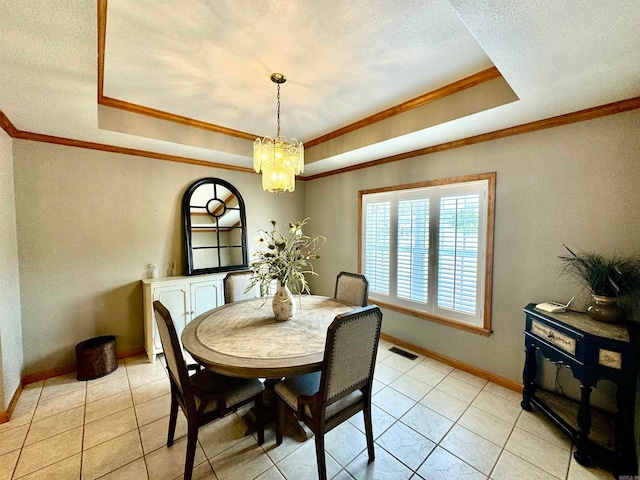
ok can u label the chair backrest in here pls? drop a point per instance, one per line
(352, 288)
(350, 353)
(173, 355)
(236, 284)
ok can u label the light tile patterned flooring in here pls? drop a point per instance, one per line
(430, 422)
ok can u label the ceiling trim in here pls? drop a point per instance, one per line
(452, 88)
(141, 109)
(13, 132)
(416, 102)
(171, 117)
(574, 117)
(7, 126)
(102, 32)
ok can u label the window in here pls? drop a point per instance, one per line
(426, 249)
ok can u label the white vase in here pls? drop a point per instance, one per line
(284, 306)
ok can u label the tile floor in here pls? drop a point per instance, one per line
(430, 422)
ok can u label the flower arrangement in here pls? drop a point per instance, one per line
(285, 259)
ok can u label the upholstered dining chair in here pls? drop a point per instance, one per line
(352, 288)
(204, 396)
(235, 286)
(325, 399)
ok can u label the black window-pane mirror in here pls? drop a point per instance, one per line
(214, 227)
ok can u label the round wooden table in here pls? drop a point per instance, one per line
(243, 339)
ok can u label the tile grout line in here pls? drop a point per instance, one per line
(84, 423)
(135, 413)
(343, 469)
(15, 467)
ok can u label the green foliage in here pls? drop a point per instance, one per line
(285, 259)
(614, 276)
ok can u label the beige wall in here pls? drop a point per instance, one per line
(577, 184)
(89, 223)
(10, 323)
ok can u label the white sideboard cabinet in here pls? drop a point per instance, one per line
(184, 297)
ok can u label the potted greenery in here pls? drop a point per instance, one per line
(285, 259)
(609, 279)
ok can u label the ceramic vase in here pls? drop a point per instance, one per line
(284, 306)
(604, 309)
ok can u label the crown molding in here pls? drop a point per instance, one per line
(69, 142)
(579, 116)
(560, 120)
(102, 33)
(171, 117)
(452, 88)
(7, 126)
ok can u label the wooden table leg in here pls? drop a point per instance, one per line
(625, 451)
(584, 426)
(529, 377)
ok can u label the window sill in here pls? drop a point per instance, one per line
(433, 318)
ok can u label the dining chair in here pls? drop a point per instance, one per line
(235, 287)
(352, 288)
(325, 399)
(204, 396)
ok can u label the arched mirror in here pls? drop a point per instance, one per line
(214, 227)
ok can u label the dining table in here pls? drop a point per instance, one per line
(243, 339)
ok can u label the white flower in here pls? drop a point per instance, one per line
(261, 240)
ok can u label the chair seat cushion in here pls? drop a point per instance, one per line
(235, 390)
(292, 387)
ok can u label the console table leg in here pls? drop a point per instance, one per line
(584, 426)
(528, 377)
(624, 430)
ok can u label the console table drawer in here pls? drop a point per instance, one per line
(565, 342)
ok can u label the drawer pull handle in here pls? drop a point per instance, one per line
(550, 335)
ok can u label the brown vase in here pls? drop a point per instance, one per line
(604, 309)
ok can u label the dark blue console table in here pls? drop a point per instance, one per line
(593, 351)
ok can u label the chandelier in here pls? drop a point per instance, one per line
(280, 160)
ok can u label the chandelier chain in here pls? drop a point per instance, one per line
(278, 134)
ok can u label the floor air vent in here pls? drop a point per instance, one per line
(403, 353)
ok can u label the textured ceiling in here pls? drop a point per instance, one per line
(343, 60)
(211, 61)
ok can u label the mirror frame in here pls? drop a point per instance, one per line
(186, 217)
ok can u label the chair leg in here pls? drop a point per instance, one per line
(279, 420)
(368, 428)
(192, 442)
(173, 417)
(322, 464)
(259, 406)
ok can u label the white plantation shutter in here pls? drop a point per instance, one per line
(413, 250)
(424, 248)
(458, 250)
(377, 245)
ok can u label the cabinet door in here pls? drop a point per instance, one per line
(206, 295)
(176, 299)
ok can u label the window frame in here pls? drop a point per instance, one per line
(486, 266)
